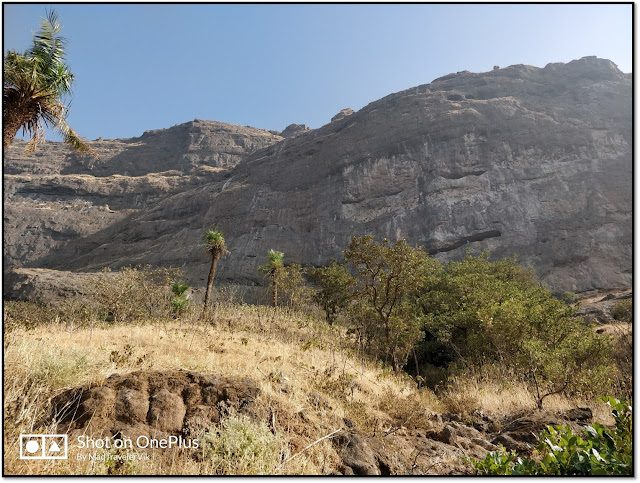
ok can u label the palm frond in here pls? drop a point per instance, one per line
(48, 52)
(275, 258)
(216, 245)
(33, 87)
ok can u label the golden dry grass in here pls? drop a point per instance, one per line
(289, 357)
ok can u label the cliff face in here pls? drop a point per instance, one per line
(55, 196)
(521, 160)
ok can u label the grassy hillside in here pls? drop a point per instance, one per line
(312, 377)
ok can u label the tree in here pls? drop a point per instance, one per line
(496, 312)
(272, 268)
(216, 248)
(335, 284)
(35, 83)
(387, 275)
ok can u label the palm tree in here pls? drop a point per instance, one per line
(217, 248)
(271, 268)
(34, 84)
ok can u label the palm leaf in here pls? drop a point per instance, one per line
(216, 245)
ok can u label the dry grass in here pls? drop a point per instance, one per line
(290, 357)
(310, 375)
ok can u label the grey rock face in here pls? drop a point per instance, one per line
(519, 160)
(182, 148)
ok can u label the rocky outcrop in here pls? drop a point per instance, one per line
(520, 160)
(293, 130)
(598, 306)
(153, 404)
(181, 148)
(54, 195)
(184, 405)
(342, 114)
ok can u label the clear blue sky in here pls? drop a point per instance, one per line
(152, 66)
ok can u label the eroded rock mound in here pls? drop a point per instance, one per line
(153, 404)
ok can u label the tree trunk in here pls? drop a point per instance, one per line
(14, 119)
(275, 292)
(212, 274)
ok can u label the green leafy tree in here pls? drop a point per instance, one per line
(388, 274)
(335, 285)
(272, 268)
(495, 312)
(35, 84)
(597, 451)
(216, 248)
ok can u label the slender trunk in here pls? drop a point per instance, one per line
(212, 274)
(275, 292)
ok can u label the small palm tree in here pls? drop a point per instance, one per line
(34, 84)
(271, 268)
(216, 248)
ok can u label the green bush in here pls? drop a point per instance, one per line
(241, 446)
(179, 288)
(598, 451)
(568, 297)
(478, 312)
(180, 301)
(334, 289)
(623, 310)
(294, 292)
(387, 277)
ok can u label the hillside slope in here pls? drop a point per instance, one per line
(521, 160)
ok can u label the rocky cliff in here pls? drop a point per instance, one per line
(521, 160)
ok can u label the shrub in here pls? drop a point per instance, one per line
(568, 297)
(179, 288)
(293, 288)
(241, 446)
(335, 284)
(479, 311)
(623, 310)
(180, 301)
(134, 293)
(598, 451)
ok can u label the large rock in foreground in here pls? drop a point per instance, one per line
(153, 404)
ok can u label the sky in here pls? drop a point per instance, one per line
(140, 67)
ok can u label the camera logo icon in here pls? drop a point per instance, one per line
(43, 447)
